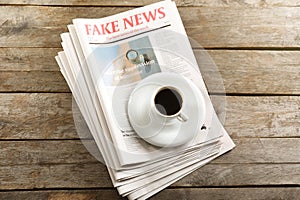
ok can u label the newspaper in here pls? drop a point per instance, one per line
(121, 174)
(101, 79)
(162, 169)
(155, 31)
(161, 179)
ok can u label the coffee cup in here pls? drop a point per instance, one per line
(166, 109)
(167, 103)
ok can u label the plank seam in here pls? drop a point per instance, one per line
(212, 93)
(285, 186)
(194, 48)
(252, 94)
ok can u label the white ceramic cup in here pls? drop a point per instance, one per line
(159, 107)
(161, 128)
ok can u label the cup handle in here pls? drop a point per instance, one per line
(182, 117)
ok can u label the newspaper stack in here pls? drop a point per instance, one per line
(96, 54)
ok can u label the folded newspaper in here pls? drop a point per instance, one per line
(105, 61)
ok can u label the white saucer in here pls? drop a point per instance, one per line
(171, 134)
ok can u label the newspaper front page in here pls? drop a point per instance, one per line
(156, 36)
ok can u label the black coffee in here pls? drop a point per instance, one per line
(168, 101)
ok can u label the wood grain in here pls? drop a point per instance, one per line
(46, 152)
(219, 27)
(32, 164)
(32, 81)
(168, 194)
(214, 3)
(36, 116)
(248, 151)
(250, 72)
(62, 194)
(28, 59)
(242, 175)
(94, 175)
(230, 193)
(263, 116)
(54, 176)
(49, 116)
(237, 71)
(263, 150)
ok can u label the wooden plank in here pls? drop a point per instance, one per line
(174, 193)
(62, 194)
(255, 72)
(211, 27)
(263, 116)
(247, 151)
(213, 175)
(214, 3)
(19, 28)
(28, 59)
(46, 152)
(238, 71)
(94, 175)
(49, 116)
(263, 150)
(230, 193)
(36, 116)
(251, 28)
(32, 81)
(242, 175)
(54, 176)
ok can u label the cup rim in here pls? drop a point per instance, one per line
(172, 88)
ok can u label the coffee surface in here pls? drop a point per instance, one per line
(168, 101)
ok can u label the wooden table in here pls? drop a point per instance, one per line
(256, 45)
